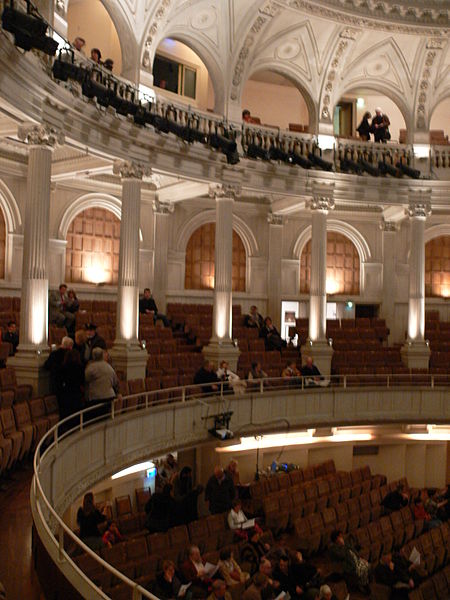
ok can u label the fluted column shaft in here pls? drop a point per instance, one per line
(274, 271)
(389, 278)
(416, 306)
(318, 294)
(161, 214)
(223, 270)
(34, 299)
(128, 288)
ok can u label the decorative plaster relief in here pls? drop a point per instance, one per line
(162, 10)
(204, 19)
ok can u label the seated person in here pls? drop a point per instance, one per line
(420, 514)
(254, 319)
(273, 585)
(257, 589)
(396, 575)
(147, 306)
(353, 565)
(395, 500)
(271, 335)
(256, 372)
(306, 574)
(292, 373)
(233, 380)
(11, 336)
(325, 593)
(219, 591)
(88, 519)
(112, 535)
(206, 375)
(194, 572)
(72, 303)
(253, 551)
(236, 519)
(167, 585)
(57, 309)
(287, 578)
(311, 372)
(229, 569)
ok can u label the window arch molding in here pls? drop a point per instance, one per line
(11, 212)
(436, 231)
(209, 216)
(85, 202)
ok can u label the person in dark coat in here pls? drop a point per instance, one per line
(72, 380)
(54, 364)
(271, 335)
(254, 319)
(186, 496)
(72, 303)
(88, 519)
(343, 551)
(306, 574)
(220, 491)
(160, 511)
(147, 306)
(207, 375)
(286, 576)
(93, 341)
(167, 584)
(394, 500)
(311, 372)
(395, 575)
(380, 126)
(364, 128)
(11, 336)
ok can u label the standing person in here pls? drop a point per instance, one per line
(160, 510)
(88, 519)
(364, 128)
(81, 345)
(165, 472)
(54, 364)
(93, 340)
(219, 491)
(102, 384)
(72, 381)
(233, 472)
(186, 495)
(147, 306)
(380, 126)
(11, 336)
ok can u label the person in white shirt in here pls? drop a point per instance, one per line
(236, 516)
(224, 374)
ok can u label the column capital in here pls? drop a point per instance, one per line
(129, 169)
(40, 134)
(274, 219)
(322, 196)
(163, 208)
(224, 190)
(388, 226)
(418, 209)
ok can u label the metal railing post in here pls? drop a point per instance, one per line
(60, 543)
(345, 381)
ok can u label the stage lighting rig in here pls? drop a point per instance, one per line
(226, 145)
(319, 162)
(298, 159)
(413, 173)
(64, 68)
(387, 169)
(368, 168)
(350, 165)
(29, 30)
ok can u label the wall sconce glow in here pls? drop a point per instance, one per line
(134, 469)
(349, 305)
(95, 274)
(351, 437)
(421, 150)
(445, 291)
(326, 142)
(360, 102)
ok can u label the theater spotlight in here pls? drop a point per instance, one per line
(143, 115)
(413, 173)
(350, 165)
(387, 169)
(256, 151)
(298, 159)
(122, 99)
(368, 168)
(29, 30)
(93, 89)
(64, 68)
(226, 145)
(276, 153)
(319, 162)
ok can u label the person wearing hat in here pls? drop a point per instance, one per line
(93, 340)
(380, 126)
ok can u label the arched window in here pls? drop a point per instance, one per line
(437, 267)
(2, 245)
(93, 243)
(199, 272)
(342, 266)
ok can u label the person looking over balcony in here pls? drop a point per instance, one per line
(246, 116)
(79, 43)
(380, 126)
(364, 127)
(96, 56)
(206, 375)
(310, 372)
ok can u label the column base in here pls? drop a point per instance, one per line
(416, 355)
(321, 352)
(29, 368)
(129, 358)
(217, 351)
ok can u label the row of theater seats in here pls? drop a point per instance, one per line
(347, 331)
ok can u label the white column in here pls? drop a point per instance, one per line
(317, 344)
(389, 230)
(274, 270)
(127, 354)
(33, 345)
(161, 220)
(221, 345)
(415, 352)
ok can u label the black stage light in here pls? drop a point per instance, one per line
(276, 153)
(387, 169)
(64, 67)
(256, 151)
(319, 162)
(161, 124)
(123, 99)
(226, 146)
(93, 89)
(368, 168)
(298, 159)
(413, 173)
(350, 165)
(29, 31)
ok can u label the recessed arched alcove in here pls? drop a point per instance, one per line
(178, 71)
(274, 99)
(90, 20)
(437, 267)
(439, 122)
